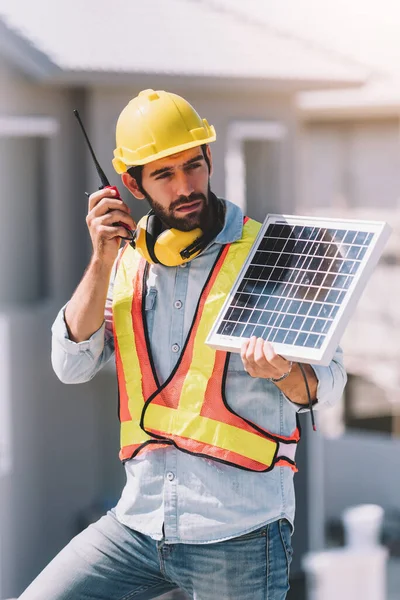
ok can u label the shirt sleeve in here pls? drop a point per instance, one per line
(331, 383)
(78, 362)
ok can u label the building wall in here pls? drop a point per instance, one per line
(351, 164)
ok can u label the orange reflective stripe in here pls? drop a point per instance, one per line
(216, 407)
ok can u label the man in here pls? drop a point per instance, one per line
(208, 505)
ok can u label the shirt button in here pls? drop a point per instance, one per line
(183, 265)
(175, 348)
(178, 304)
(170, 476)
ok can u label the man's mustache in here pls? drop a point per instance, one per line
(186, 200)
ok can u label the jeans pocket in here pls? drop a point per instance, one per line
(251, 535)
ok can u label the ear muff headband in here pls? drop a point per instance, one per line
(153, 230)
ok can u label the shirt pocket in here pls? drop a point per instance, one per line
(149, 308)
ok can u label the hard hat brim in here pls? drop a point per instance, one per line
(121, 167)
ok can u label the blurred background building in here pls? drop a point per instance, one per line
(305, 99)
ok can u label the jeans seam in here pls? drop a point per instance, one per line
(285, 549)
(139, 591)
(162, 563)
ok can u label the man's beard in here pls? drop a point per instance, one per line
(202, 219)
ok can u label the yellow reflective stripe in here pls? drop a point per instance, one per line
(202, 429)
(202, 364)
(131, 433)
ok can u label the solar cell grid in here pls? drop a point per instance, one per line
(297, 288)
(295, 284)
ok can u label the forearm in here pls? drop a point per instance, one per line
(294, 386)
(84, 313)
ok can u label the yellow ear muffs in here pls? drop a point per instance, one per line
(165, 247)
(172, 242)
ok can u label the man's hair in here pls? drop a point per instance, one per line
(137, 171)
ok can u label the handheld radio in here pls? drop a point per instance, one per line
(104, 181)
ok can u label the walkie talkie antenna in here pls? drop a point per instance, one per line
(102, 175)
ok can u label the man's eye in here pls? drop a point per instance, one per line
(194, 166)
(163, 176)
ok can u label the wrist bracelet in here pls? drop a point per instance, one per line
(282, 376)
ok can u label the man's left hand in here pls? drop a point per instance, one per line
(260, 359)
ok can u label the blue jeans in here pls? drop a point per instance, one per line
(109, 561)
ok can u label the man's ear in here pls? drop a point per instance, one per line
(131, 184)
(209, 156)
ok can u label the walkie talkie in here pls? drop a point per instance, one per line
(104, 181)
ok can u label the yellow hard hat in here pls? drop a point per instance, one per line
(157, 124)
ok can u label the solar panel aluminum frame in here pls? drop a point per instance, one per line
(323, 355)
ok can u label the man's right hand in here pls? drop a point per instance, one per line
(105, 208)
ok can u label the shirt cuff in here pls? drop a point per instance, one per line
(94, 344)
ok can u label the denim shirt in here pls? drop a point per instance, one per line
(170, 493)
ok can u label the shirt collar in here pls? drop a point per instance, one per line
(233, 226)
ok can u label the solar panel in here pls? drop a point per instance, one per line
(299, 285)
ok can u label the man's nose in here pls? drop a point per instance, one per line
(184, 184)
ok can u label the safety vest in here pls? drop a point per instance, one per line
(189, 409)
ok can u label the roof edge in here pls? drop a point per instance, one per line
(24, 55)
(196, 80)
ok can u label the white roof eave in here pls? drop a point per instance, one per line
(38, 65)
(183, 79)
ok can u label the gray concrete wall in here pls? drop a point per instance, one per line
(361, 468)
(63, 451)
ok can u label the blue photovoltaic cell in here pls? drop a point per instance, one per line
(295, 284)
